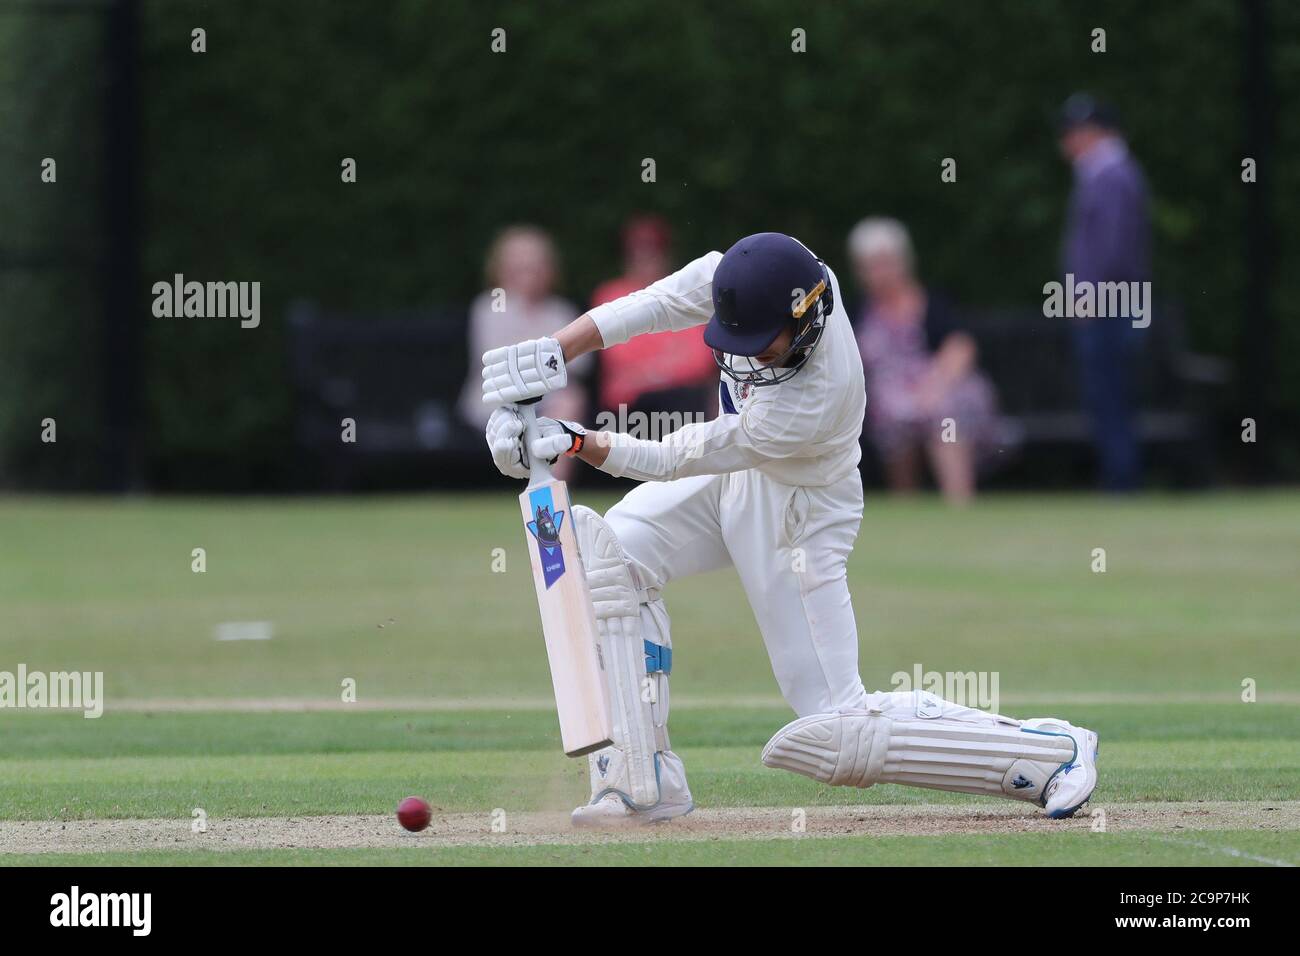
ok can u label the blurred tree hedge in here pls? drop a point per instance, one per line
(242, 148)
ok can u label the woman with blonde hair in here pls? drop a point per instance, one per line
(522, 269)
(924, 391)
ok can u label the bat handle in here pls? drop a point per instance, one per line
(538, 471)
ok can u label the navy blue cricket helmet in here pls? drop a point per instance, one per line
(764, 284)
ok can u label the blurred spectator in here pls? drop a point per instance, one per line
(1106, 240)
(920, 369)
(668, 372)
(522, 268)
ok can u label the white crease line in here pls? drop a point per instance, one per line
(1228, 850)
(256, 705)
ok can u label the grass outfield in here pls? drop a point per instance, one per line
(400, 595)
(282, 764)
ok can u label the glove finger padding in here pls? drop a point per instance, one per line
(525, 370)
(505, 441)
(556, 438)
(550, 447)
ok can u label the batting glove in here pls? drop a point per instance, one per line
(557, 438)
(505, 430)
(516, 373)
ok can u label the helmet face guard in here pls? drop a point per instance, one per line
(808, 318)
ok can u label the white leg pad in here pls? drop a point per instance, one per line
(918, 739)
(629, 629)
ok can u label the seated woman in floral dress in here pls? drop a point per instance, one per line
(925, 393)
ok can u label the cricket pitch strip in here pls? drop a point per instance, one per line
(553, 828)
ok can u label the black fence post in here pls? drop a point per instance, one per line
(1258, 330)
(122, 317)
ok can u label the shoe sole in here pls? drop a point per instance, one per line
(645, 818)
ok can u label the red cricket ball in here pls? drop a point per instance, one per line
(414, 814)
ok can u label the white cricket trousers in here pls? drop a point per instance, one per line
(790, 546)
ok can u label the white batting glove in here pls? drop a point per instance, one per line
(557, 438)
(505, 431)
(516, 373)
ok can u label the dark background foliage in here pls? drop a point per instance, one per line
(240, 148)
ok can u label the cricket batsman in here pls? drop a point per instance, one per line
(770, 487)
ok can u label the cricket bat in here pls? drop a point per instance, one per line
(564, 600)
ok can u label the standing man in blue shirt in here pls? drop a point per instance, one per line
(1107, 239)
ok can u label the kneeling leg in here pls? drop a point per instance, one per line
(920, 740)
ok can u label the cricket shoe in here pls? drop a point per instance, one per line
(1072, 785)
(610, 811)
(610, 806)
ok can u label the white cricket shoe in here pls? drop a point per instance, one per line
(611, 811)
(1072, 785)
(608, 808)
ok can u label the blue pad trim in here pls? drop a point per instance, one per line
(658, 658)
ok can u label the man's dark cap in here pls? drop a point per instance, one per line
(1083, 109)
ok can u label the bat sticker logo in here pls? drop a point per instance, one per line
(545, 529)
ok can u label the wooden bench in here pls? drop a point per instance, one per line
(1030, 359)
(398, 375)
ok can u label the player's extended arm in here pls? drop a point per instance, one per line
(517, 373)
(579, 337)
(726, 444)
(677, 301)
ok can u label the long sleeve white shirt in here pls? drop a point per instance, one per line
(803, 432)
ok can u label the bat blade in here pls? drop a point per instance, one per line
(568, 620)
